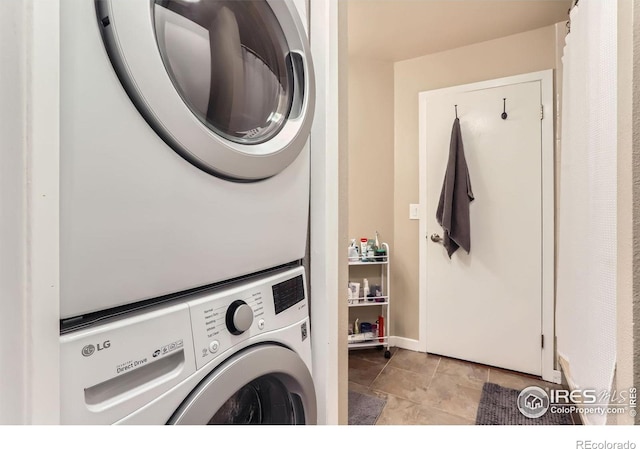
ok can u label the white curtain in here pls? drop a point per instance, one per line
(586, 284)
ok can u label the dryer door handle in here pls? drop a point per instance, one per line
(296, 60)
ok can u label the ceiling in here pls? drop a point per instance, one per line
(395, 30)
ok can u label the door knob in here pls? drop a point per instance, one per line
(436, 238)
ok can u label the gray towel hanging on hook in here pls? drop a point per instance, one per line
(453, 207)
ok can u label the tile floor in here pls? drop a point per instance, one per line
(426, 389)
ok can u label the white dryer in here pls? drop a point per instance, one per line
(184, 145)
(234, 355)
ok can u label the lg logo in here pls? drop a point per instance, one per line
(90, 349)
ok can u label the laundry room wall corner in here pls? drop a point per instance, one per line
(627, 370)
(29, 204)
(328, 211)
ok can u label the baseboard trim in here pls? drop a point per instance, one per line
(405, 343)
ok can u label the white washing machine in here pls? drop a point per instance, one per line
(184, 145)
(234, 355)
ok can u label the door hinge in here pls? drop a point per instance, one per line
(542, 341)
(541, 112)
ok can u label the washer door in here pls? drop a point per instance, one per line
(262, 385)
(227, 84)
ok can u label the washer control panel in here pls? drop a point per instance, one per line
(225, 318)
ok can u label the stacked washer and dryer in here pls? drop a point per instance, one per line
(184, 212)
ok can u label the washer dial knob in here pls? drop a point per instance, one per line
(239, 317)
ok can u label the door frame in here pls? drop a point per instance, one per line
(545, 77)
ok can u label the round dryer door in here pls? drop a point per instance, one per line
(262, 385)
(227, 84)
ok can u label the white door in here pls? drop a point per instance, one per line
(486, 306)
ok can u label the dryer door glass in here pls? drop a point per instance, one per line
(265, 400)
(230, 62)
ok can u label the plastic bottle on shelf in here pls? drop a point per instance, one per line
(370, 251)
(363, 248)
(365, 289)
(354, 256)
(380, 323)
(380, 252)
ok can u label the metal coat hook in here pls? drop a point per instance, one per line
(456, 106)
(504, 110)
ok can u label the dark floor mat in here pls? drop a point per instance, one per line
(364, 409)
(499, 406)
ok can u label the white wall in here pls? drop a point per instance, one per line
(628, 300)
(12, 212)
(29, 105)
(328, 212)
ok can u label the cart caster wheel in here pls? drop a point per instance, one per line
(387, 354)
(379, 348)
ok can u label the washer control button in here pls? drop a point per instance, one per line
(239, 317)
(260, 324)
(214, 346)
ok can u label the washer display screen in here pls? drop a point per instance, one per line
(230, 62)
(288, 293)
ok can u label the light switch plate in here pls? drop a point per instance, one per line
(414, 211)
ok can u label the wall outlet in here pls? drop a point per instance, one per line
(414, 211)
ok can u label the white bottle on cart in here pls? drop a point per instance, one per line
(354, 256)
(365, 288)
